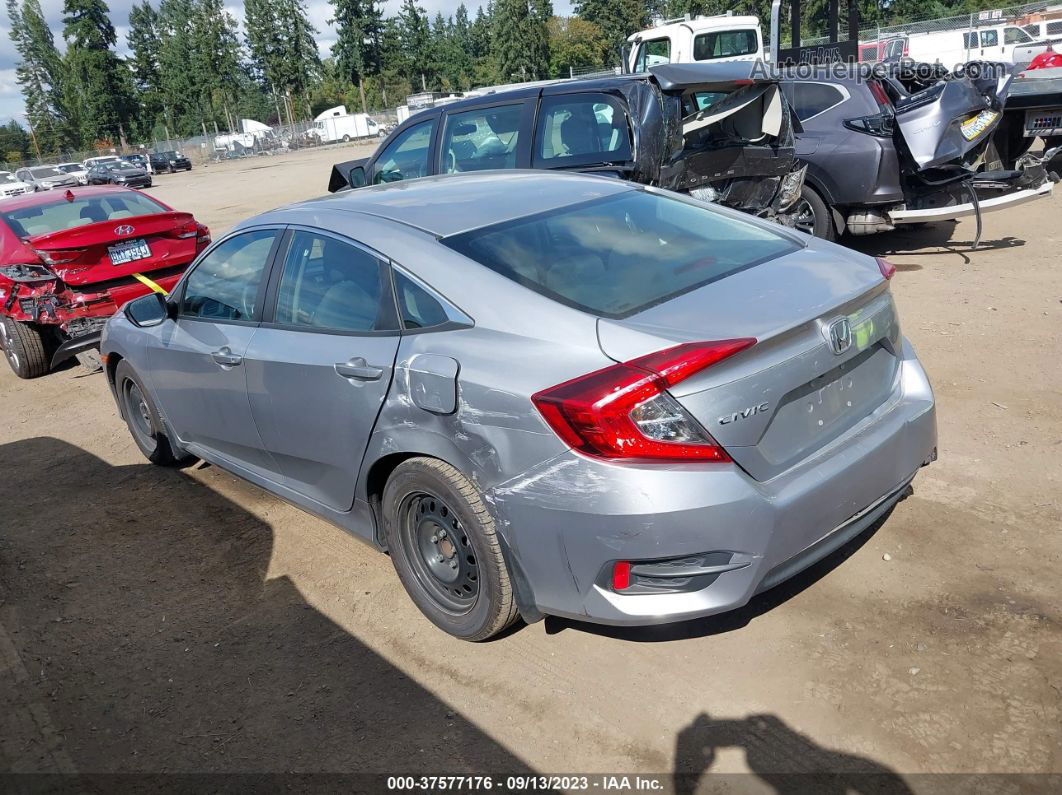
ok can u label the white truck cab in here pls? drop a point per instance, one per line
(695, 40)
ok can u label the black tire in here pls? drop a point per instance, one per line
(142, 418)
(444, 545)
(24, 348)
(346, 139)
(813, 216)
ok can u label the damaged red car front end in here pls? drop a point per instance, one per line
(68, 261)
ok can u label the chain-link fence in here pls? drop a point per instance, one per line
(220, 145)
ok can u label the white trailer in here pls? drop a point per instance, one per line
(335, 124)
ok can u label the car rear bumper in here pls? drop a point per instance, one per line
(967, 208)
(571, 519)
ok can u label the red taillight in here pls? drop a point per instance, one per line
(190, 229)
(879, 94)
(621, 575)
(203, 238)
(624, 410)
(888, 270)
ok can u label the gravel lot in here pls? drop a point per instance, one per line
(155, 620)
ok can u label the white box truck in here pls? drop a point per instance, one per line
(335, 124)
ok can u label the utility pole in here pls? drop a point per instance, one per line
(33, 136)
(280, 118)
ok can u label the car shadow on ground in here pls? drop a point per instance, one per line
(137, 601)
(925, 240)
(732, 620)
(140, 634)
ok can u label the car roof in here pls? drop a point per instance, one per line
(50, 196)
(452, 203)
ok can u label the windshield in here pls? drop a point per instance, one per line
(62, 214)
(617, 256)
(69, 168)
(45, 172)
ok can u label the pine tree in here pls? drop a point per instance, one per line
(182, 114)
(412, 24)
(521, 40)
(142, 39)
(358, 26)
(98, 83)
(39, 74)
(282, 47)
(216, 61)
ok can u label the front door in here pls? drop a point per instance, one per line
(198, 371)
(319, 367)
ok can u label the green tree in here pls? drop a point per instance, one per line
(182, 114)
(356, 51)
(216, 60)
(575, 43)
(617, 19)
(142, 39)
(521, 40)
(98, 84)
(39, 73)
(282, 47)
(416, 50)
(15, 143)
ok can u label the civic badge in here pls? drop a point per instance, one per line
(840, 335)
(122, 230)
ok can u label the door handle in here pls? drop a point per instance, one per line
(358, 368)
(226, 358)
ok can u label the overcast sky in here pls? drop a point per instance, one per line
(11, 104)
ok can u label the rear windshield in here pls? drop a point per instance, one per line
(44, 218)
(617, 256)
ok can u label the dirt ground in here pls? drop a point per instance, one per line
(178, 621)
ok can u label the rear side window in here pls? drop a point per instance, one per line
(969, 41)
(811, 99)
(724, 44)
(406, 156)
(481, 139)
(653, 53)
(418, 308)
(582, 129)
(61, 214)
(330, 285)
(616, 256)
(989, 38)
(225, 283)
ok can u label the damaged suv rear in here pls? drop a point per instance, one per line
(715, 131)
(904, 143)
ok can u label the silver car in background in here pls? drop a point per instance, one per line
(540, 393)
(46, 178)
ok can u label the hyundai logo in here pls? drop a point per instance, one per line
(840, 335)
(124, 229)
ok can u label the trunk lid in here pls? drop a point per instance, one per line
(81, 255)
(790, 395)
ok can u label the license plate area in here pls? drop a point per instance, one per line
(973, 127)
(129, 251)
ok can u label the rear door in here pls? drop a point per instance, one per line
(589, 130)
(197, 369)
(319, 367)
(489, 137)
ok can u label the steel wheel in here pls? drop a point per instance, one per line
(440, 552)
(139, 413)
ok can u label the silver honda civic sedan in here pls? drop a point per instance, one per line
(540, 393)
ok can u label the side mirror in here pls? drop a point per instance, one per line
(148, 310)
(356, 178)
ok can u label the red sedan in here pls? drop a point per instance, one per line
(68, 261)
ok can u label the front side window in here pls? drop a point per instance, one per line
(481, 139)
(1015, 36)
(725, 44)
(616, 256)
(331, 285)
(225, 284)
(582, 129)
(406, 157)
(653, 53)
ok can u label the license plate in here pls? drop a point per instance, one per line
(973, 127)
(129, 251)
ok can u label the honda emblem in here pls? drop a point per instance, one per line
(123, 230)
(840, 335)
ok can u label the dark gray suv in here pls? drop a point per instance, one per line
(905, 147)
